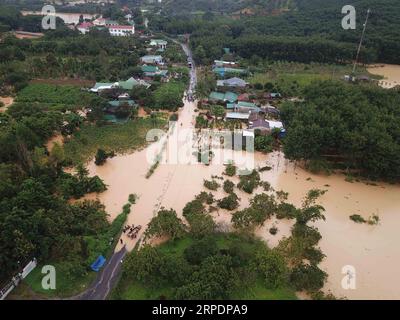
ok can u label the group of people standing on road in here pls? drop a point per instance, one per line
(131, 230)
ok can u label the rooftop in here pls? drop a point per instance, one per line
(227, 96)
(120, 27)
(237, 115)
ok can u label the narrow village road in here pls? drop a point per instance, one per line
(106, 279)
(109, 274)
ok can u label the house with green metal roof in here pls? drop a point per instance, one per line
(243, 106)
(216, 96)
(246, 104)
(147, 69)
(119, 103)
(225, 97)
(230, 96)
(152, 71)
(131, 83)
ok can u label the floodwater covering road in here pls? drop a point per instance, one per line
(133, 169)
(371, 251)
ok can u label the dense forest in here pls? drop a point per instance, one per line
(356, 128)
(313, 25)
(36, 217)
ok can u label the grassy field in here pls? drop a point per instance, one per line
(303, 74)
(66, 286)
(127, 290)
(119, 138)
(71, 97)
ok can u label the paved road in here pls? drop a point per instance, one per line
(106, 279)
(109, 274)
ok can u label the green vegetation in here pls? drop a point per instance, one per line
(62, 53)
(249, 181)
(372, 220)
(215, 267)
(357, 218)
(165, 224)
(201, 224)
(309, 32)
(69, 97)
(230, 202)
(351, 127)
(200, 263)
(102, 156)
(73, 274)
(118, 138)
(169, 96)
(230, 170)
(261, 208)
(211, 185)
(76, 186)
(228, 186)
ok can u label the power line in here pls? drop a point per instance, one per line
(361, 41)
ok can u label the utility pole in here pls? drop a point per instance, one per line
(361, 41)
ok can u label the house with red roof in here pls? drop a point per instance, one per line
(84, 27)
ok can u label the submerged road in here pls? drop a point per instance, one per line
(109, 274)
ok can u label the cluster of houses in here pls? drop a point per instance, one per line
(235, 96)
(113, 27)
(153, 68)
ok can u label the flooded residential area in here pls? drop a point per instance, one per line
(372, 250)
(177, 150)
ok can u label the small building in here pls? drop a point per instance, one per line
(131, 83)
(237, 116)
(103, 22)
(121, 31)
(275, 124)
(232, 82)
(242, 106)
(84, 27)
(246, 104)
(152, 71)
(254, 115)
(152, 59)
(261, 125)
(222, 71)
(244, 97)
(159, 43)
(222, 63)
(224, 97)
(115, 104)
(274, 95)
(99, 22)
(270, 110)
(99, 86)
(124, 96)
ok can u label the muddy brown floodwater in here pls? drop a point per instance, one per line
(372, 250)
(390, 72)
(56, 139)
(7, 101)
